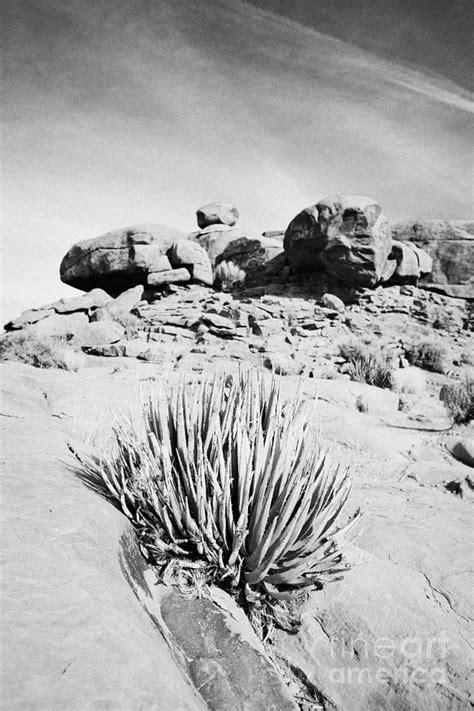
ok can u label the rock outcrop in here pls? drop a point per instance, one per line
(450, 244)
(344, 235)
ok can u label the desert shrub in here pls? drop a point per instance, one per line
(427, 355)
(459, 400)
(367, 364)
(228, 276)
(44, 352)
(228, 484)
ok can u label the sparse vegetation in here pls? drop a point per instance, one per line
(229, 276)
(367, 364)
(227, 484)
(427, 355)
(459, 400)
(44, 352)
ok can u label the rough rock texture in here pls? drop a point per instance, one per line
(451, 247)
(84, 623)
(173, 276)
(217, 213)
(347, 236)
(193, 257)
(77, 637)
(406, 264)
(109, 261)
(251, 252)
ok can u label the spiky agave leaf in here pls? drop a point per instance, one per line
(230, 475)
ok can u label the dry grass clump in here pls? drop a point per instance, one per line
(427, 355)
(367, 365)
(44, 352)
(228, 276)
(227, 484)
(459, 400)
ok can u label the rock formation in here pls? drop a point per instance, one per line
(451, 247)
(126, 257)
(346, 236)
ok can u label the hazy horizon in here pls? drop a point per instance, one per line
(122, 113)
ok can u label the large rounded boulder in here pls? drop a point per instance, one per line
(125, 258)
(346, 236)
(450, 244)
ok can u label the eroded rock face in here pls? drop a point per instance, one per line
(346, 236)
(217, 213)
(451, 247)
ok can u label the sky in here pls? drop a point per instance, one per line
(119, 112)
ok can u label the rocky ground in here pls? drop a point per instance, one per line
(87, 625)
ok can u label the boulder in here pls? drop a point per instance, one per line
(117, 260)
(217, 213)
(249, 251)
(450, 244)
(344, 235)
(189, 254)
(406, 264)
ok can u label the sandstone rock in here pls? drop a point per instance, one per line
(99, 333)
(406, 263)
(346, 236)
(76, 634)
(451, 247)
(333, 302)
(150, 258)
(61, 325)
(126, 301)
(27, 318)
(247, 250)
(461, 448)
(193, 257)
(96, 298)
(217, 213)
(110, 261)
(173, 276)
(227, 662)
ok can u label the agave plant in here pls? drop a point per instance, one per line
(230, 479)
